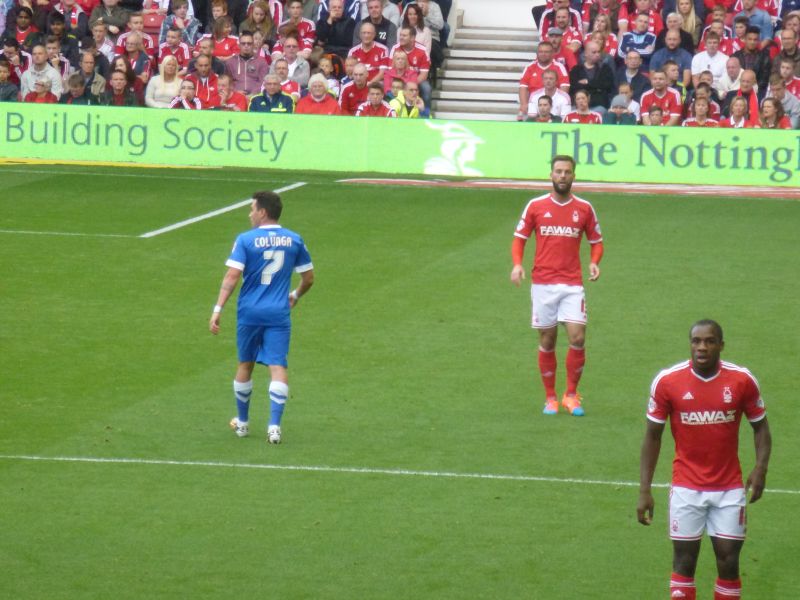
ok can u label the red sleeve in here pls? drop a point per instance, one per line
(596, 253)
(658, 407)
(517, 250)
(753, 404)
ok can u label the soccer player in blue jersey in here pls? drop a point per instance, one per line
(266, 256)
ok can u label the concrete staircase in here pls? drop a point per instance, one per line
(481, 72)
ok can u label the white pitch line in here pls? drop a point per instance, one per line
(67, 233)
(346, 470)
(214, 213)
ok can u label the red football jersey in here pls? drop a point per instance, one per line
(670, 103)
(590, 118)
(418, 59)
(306, 30)
(692, 122)
(365, 109)
(704, 416)
(532, 76)
(148, 43)
(181, 53)
(558, 229)
(351, 97)
(374, 59)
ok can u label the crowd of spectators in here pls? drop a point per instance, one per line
(331, 57)
(695, 63)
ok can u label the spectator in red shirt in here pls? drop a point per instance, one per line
(318, 101)
(701, 116)
(582, 113)
(772, 115)
(738, 118)
(399, 70)
(41, 93)
(375, 106)
(353, 94)
(229, 98)
(205, 82)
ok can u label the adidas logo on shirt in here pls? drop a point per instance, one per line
(688, 396)
(547, 215)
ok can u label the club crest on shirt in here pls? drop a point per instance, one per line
(727, 396)
(651, 406)
(521, 225)
(575, 216)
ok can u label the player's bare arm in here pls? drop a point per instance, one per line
(651, 448)
(229, 283)
(306, 281)
(757, 479)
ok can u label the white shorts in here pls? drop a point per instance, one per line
(722, 514)
(557, 303)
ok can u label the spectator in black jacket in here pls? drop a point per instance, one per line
(755, 59)
(335, 30)
(632, 74)
(593, 76)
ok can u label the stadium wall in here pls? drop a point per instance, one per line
(408, 147)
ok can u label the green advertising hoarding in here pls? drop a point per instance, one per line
(635, 154)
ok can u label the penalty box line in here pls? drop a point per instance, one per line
(214, 213)
(342, 470)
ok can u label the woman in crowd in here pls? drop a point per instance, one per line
(701, 118)
(738, 118)
(399, 70)
(134, 84)
(260, 19)
(582, 113)
(163, 88)
(413, 18)
(772, 115)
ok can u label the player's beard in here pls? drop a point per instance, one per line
(562, 188)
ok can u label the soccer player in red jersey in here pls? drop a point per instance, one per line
(559, 220)
(704, 399)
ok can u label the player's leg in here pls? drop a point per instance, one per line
(544, 318)
(726, 527)
(688, 514)
(247, 341)
(274, 353)
(684, 564)
(572, 312)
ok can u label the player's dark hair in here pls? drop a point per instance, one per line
(270, 202)
(562, 157)
(753, 29)
(708, 323)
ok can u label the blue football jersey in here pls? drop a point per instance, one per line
(267, 256)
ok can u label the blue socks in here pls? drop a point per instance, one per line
(242, 392)
(278, 394)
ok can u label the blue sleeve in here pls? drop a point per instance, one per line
(238, 257)
(303, 261)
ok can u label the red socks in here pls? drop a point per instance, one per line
(727, 589)
(547, 367)
(682, 587)
(576, 358)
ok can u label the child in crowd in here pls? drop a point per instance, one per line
(326, 67)
(183, 21)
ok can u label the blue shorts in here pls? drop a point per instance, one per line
(263, 344)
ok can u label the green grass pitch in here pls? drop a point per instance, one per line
(411, 353)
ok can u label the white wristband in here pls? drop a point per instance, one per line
(294, 295)
(217, 309)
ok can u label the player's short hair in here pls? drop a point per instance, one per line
(753, 29)
(56, 17)
(11, 42)
(712, 35)
(776, 80)
(376, 86)
(270, 202)
(560, 158)
(708, 323)
(546, 98)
